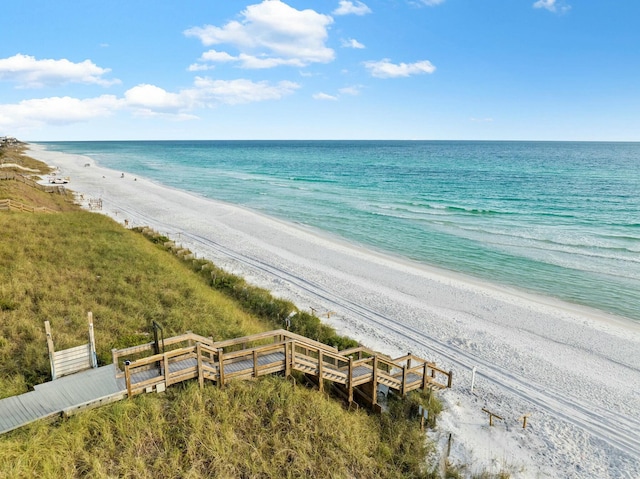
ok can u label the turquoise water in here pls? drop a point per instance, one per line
(561, 219)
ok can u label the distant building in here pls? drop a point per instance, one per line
(9, 141)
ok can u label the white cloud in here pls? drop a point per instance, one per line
(206, 93)
(142, 100)
(210, 92)
(31, 73)
(552, 5)
(432, 3)
(244, 61)
(216, 56)
(57, 111)
(253, 62)
(352, 43)
(324, 96)
(386, 69)
(152, 97)
(270, 34)
(199, 67)
(350, 8)
(211, 56)
(350, 90)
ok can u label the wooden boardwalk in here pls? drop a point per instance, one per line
(63, 396)
(354, 372)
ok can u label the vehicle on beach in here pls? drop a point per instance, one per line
(58, 180)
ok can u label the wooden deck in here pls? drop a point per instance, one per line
(137, 370)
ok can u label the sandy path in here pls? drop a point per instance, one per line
(577, 371)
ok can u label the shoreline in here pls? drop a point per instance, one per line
(531, 352)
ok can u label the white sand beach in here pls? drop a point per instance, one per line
(574, 371)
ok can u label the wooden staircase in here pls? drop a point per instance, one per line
(191, 356)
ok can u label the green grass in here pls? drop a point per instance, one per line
(263, 429)
(15, 154)
(57, 267)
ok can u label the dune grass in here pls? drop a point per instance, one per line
(57, 267)
(259, 429)
(16, 154)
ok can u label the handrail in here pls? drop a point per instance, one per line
(117, 354)
(272, 335)
(305, 355)
(363, 349)
(250, 351)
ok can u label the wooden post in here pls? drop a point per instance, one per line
(424, 376)
(350, 380)
(287, 359)
(114, 359)
(200, 371)
(320, 378)
(166, 371)
(127, 378)
(293, 355)
(404, 381)
(92, 341)
(47, 329)
(220, 367)
(255, 363)
(374, 393)
(450, 380)
(524, 420)
(491, 416)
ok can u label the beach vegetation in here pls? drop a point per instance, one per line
(15, 154)
(277, 312)
(252, 429)
(57, 267)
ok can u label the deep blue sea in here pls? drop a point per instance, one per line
(557, 218)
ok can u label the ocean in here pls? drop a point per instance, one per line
(560, 219)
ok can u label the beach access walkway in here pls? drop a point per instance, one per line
(357, 374)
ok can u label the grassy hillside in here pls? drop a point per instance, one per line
(57, 267)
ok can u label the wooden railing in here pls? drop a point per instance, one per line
(72, 360)
(192, 356)
(143, 351)
(11, 205)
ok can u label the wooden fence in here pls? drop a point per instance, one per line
(356, 370)
(10, 205)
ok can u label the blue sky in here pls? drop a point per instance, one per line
(324, 69)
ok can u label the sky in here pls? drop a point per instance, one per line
(320, 69)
